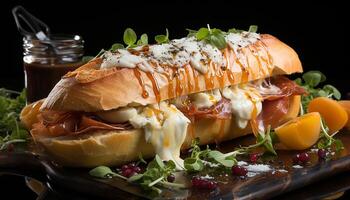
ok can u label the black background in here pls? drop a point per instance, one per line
(316, 31)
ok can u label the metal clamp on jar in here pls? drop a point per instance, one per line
(47, 57)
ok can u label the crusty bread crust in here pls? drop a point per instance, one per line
(90, 89)
(118, 147)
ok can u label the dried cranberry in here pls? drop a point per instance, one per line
(201, 183)
(211, 185)
(131, 165)
(137, 169)
(301, 158)
(128, 173)
(125, 167)
(254, 157)
(239, 171)
(171, 178)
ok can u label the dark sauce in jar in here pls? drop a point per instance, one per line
(46, 61)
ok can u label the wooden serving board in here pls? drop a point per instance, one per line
(265, 185)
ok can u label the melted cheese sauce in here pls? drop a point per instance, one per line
(205, 99)
(245, 103)
(177, 53)
(264, 87)
(165, 128)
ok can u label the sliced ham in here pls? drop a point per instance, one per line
(56, 123)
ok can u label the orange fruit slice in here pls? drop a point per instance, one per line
(300, 133)
(332, 112)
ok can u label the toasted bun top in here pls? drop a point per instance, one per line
(91, 89)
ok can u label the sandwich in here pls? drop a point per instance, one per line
(155, 99)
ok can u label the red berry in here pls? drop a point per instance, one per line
(195, 181)
(322, 153)
(211, 185)
(301, 158)
(137, 169)
(203, 183)
(131, 165)
(171, 178)
(239, 171)
(128, 173)
(254, 157)
(125, 167)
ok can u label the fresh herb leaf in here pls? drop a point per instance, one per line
(202, 33)
(338, 145)
(327, 141)
(101, 172)
(217, 39)
(156, 174)
(233, 30)
(193, 164)
(141, 160)
(214, 37)
(160, 39)
(253, 28)
(191, 32)
(11, 130)
(313, 78)
(221, 158)
(329, 89)
(310, 80)
(129, 37)
(116, 46)
(143, 40)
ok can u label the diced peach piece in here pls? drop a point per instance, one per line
(332, 112)
(300, 133)
(346, 105)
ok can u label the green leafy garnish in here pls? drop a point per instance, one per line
(265, 139)
(116, 46)
(309, 81)
(129, 37)
(226, 160)
(143, 40)
(141, 160)
(160, 39)
(327, 141)
(156, 174)
(233, 30)
(104, 172)
(215, 37)
(198, 157)
(195, 162)
(253, 28)
(11, 130)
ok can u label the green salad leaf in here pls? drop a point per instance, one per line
(11, 130)
(129, 37)
(160, 39)
(311, 81)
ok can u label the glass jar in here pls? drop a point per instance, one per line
(46, 61)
